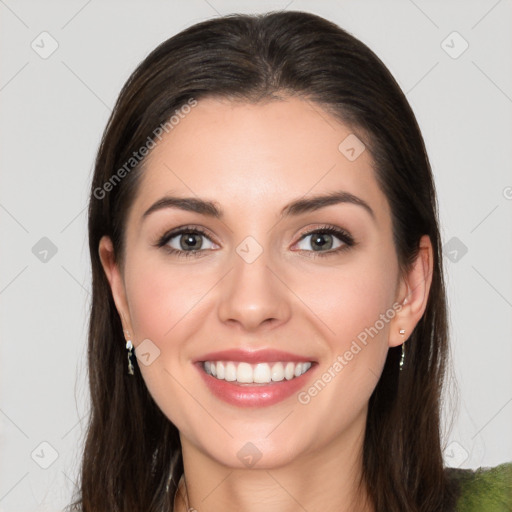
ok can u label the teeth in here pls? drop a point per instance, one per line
(260, 373)
(244, 373)
(289, 371)
(230, 371)
(277, 372)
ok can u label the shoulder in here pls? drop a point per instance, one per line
(483, 489)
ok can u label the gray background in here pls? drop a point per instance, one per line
(53, 111)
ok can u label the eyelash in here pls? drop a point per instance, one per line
(342, 235)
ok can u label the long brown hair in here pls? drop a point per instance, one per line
(131, 448)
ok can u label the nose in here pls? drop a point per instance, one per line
(253, 295)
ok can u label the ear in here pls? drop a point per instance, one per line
(413, 293)
(115, 279)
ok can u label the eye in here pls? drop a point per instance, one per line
(189, 241)
(185, 241)
(326, 241)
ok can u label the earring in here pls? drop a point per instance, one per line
(402, 359)
(129, 347)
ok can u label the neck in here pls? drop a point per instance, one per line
(324, 480)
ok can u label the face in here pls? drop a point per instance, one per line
(301, 297)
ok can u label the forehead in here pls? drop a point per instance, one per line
(258, 156)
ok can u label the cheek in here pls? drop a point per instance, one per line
(161, 297)
(350, 299)
(165, 303)
(356, 305)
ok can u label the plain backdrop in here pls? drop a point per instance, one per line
(62, 66)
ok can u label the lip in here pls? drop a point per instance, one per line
(254, 356)
(257, 395)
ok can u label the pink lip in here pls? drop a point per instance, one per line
(253, 356)
(254, 395)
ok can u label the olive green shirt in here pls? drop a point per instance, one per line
(484, 489)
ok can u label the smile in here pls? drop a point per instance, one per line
(259, 373)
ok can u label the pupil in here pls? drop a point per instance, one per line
(190, 241)
(319, 240)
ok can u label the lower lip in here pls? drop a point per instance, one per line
(259, 395)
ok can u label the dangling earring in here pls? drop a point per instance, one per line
(129, 347)
(402, 359)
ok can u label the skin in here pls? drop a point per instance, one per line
(252, 160)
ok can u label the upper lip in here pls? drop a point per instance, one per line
(253, 356)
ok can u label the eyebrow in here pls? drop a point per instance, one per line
(297, 207)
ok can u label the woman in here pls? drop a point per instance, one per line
(268, 327)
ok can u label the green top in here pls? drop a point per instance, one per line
(484, 489)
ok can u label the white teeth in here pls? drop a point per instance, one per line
(260, 373)
(244, 373)
(221, 371)
(289, 371)
(230, 372)
(277, 372)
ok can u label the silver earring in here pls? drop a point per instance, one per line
(129, 347)
(402, 359)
